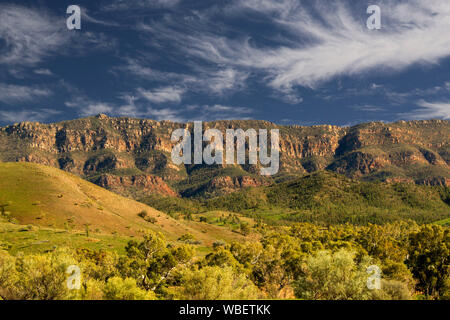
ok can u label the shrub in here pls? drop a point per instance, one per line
(151, 220)
(186, 237)
(125, 289)
(215, 283)
(36, 276)
(332, 276)
(143, 214)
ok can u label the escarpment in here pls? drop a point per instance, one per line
(124, 154)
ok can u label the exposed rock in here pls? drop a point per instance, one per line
(227, 182)
(102, 145)
(135, 186)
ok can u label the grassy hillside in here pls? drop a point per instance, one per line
(40, 195)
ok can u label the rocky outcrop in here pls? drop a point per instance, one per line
(135, 186)
(228, 184)
(101, 145)
(434, 182)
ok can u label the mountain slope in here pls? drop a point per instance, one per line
(124, 154)
(42, 195)
(328, 197)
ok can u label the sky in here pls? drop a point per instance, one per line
(286, 61)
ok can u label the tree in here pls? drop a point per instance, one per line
(86, 226)
(125, 289)
(333, 276)
(36, 276)
(8, 276)
(429, 259)
(153, 260)
(215, 283)
(273, 263)
(245, 228)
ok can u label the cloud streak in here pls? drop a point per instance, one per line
(11, 94)
(38, 115)
(429, 110)
(29, 35)
(337, 41)
(162, 95)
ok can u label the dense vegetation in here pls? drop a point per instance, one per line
(324, 198)
(315, 237)
(302, 261)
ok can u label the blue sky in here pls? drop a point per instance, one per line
(286, 61)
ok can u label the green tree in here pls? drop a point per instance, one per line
(333, 276)
(125, 289)
(152, 261)
(429, 258)
(8, 276)
(37, 276)
(215, 283)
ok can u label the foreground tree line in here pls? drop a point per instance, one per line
(303, 261)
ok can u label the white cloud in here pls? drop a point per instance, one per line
(368, 108)
(219, 82)
(331, 40)
(29, 35)
(11, 94)
(140, 4)
(85, 16)
(86, 107)
(161, 95)
(27, 115)
(205, 79)
(96, 108)
(164, 114)
(138, 68)
(44, 72)
(218, 112)
(429, 110)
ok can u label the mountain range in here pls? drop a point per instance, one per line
(132, 156)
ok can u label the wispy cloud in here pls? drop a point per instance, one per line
(44, 72)
(219, 81)
(11, 94)
(429, 110)
(218, 112)
(86, 16)
(164, 114)
(367, 108)
(96, 108)
(330, 40)
(35, 115)
(29, 35)
(140, 4)
(161, 95)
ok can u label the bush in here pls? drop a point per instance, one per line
(92, 290)
(392, 290)
(125, 289)
(332, 276)
(151, 220)
(36, 277)
(215, 283)
(143, 214)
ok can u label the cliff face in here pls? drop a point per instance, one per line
(135, 186)
(124, 153)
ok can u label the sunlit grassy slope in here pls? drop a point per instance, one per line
(50, 197)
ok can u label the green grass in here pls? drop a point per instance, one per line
(26, 239)
(444, 222)
(51, 198)
(19, 238)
